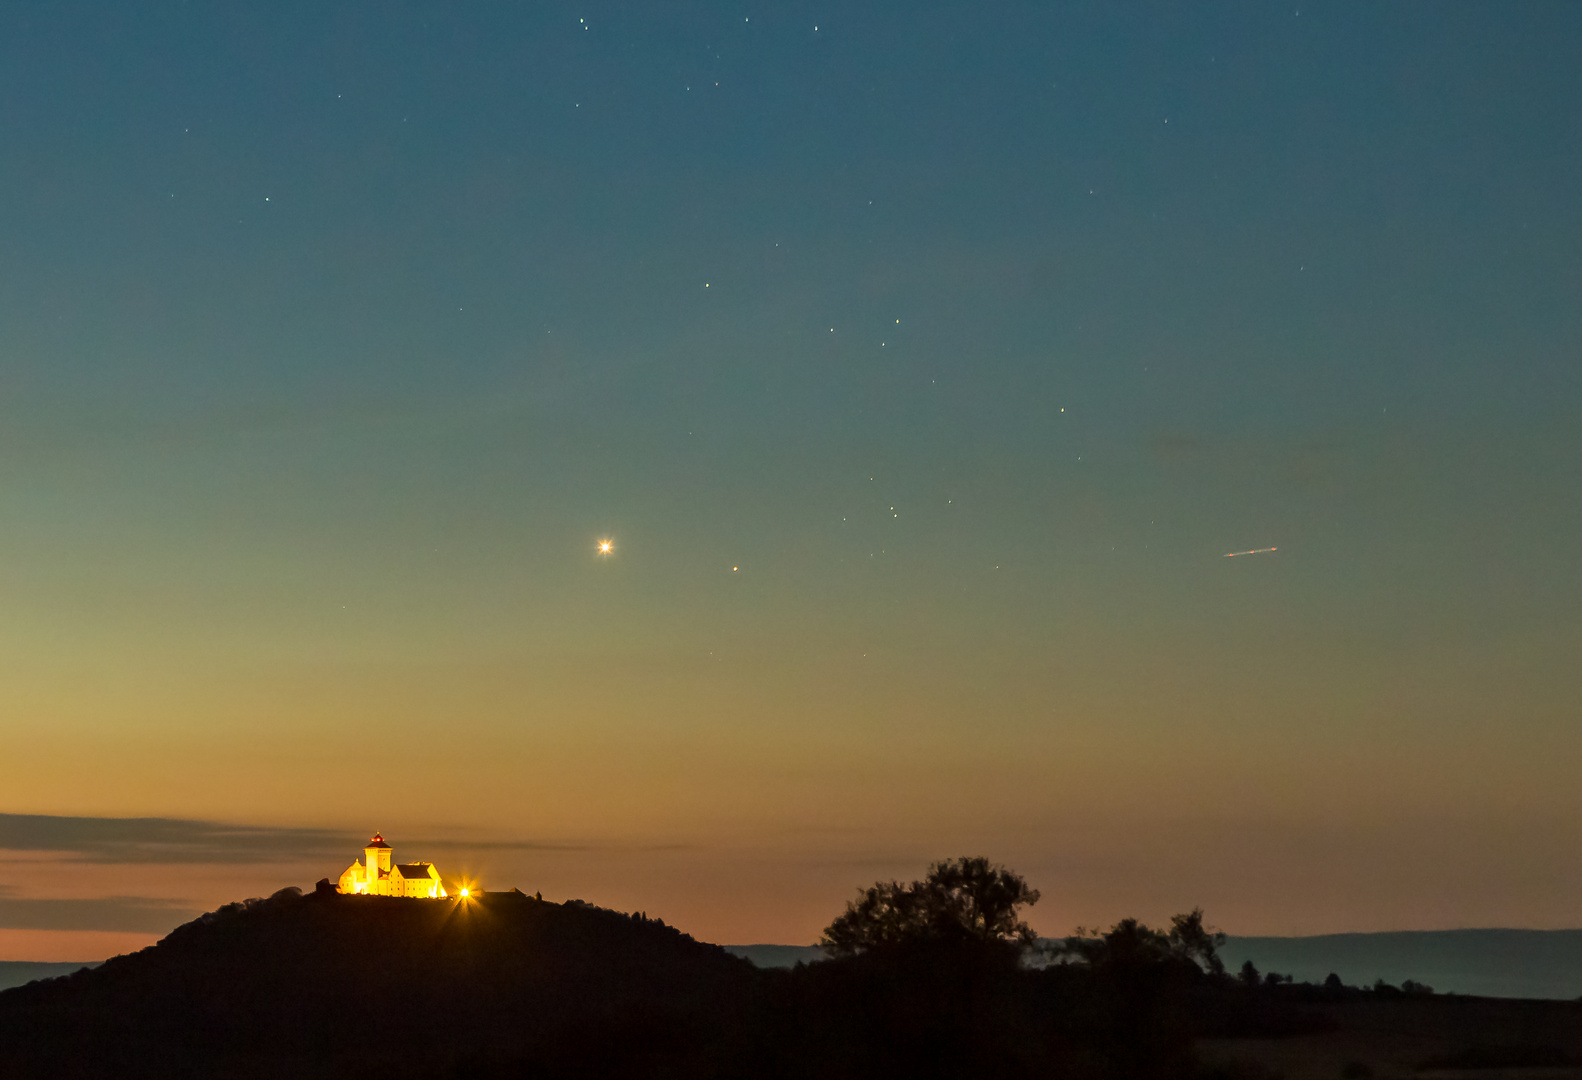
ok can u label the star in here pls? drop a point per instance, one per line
(606, 547)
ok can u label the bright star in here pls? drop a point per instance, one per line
(606, 546)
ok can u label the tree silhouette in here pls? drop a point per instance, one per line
(1132, 943)
(962, 900)
(1190, 939)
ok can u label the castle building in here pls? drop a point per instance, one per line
(375, 876)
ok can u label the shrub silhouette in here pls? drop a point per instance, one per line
(1131, 943)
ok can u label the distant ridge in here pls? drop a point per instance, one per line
(1489, 963)
(777, 956)
(1486, 963)
(22, 972)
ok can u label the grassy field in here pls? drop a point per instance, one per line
(1399, 1037)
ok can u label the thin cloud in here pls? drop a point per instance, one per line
(180, 840)
(491, 845)
(128, 914)
(163, 840)
(535, 845)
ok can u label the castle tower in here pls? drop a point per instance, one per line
(376, 857)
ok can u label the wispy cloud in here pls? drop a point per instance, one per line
(131, 914)
(180, 840)
(163, 840)
(491, 845)
(539, 845)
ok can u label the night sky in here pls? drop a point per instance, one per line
(921, 362)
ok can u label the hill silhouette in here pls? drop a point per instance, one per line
(506, 986)
(510, 986)
(352, 986)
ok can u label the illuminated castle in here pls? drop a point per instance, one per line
(375, 876)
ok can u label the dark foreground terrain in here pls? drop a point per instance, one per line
(1427, 1038)
(508, 986)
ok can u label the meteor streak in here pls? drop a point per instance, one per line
(1254, 551)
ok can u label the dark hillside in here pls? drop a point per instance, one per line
(508, 987)
(348, 986)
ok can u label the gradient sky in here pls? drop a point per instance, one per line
(923, 361)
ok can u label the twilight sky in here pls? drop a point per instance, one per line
(922, 362)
